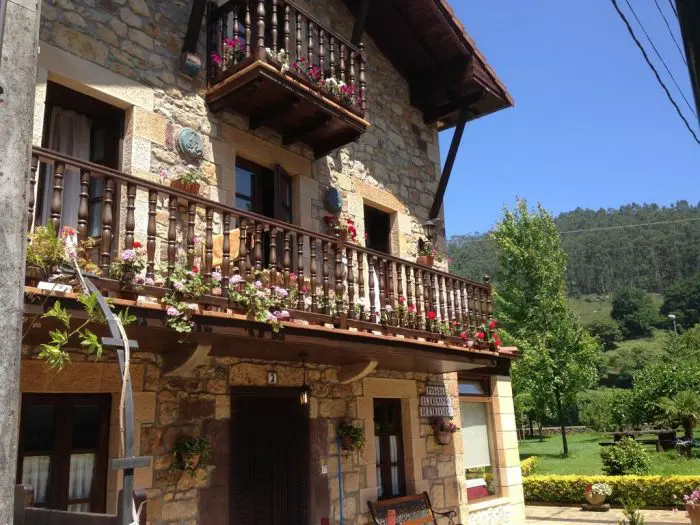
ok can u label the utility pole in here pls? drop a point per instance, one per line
(19, 40)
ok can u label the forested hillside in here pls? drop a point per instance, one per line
(647, 246)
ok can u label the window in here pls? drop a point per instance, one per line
(264, 191)
(377, 229)
(480, 467)
(63, 450)
(389, 448)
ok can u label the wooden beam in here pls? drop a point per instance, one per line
(272, 112)
(437, 113)
(429, 50)
(359, 29)
(304, 130)
(183, 360)
(449, 163)
(194, 26)
(351, 373)
(431, 84)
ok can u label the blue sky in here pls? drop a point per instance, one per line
(591, 126)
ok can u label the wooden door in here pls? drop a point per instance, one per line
(270, 461)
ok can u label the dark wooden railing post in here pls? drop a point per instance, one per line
(361, 282)
(341, 45)
(339, 287)
(322, 50)
(83, 206)
(247, 28)
(313, 270)
(442, 297)
(325, 276)
(191, 213)
(274, 27)
(32, 189)
(409, 292)
(287, 29)
(243, 263)
(273, 255)
(260, 51)
(297, 27)
(208, 244)
(287, 259)
(107, 218)
(151, 234)
(172, 233)
(300, 269)
(390, 286)
(350, 255)
(382, 286)
(57, 196)
(419, 297)
(331, 53)
(371, 265)
(226, 256)
(130, 222)
(310, 41)
(257, 249)
(363, 80)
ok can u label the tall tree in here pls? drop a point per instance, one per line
(558, 357)
(634, 311)
(683, 301)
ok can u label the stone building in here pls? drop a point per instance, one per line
(322, 173)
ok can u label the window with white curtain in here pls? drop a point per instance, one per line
(480, 467)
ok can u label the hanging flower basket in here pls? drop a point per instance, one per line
(189, 187)
(443, 437)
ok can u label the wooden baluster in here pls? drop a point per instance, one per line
(469, 301)
(341, 45)
(489, 301)
(409, 292)
(172, 233)
(331, 53)
(236, 24)
(350, 255)
(371, 264)
(191, 213)
(274, 26)
(482, 304)
(390, 284)
(325, 270)
(151, 234)
(352, 68)
(226, 256)
(314, 271)
(339, 288)
(261, 28)
(419, 298)
(30, 197)
(130, 222)
(300, 269)
(361, 283)
(434, 296)
(273, 255)
(310, 42)
(363, 81)
(298, 34)
(208, 244)
(107, 218)
(322, 51)
(83, 206)
(57, 196)
(247, 28)
(442, 298)
(287, 28)
(463, 305)
(257, 249)
(426, 294)
(448, 300)
(287, 259)
(243, 263)
(222, 34)
(455, 301)
(400, 297)
(382, 285)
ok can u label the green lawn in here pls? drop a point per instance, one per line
(584, 456)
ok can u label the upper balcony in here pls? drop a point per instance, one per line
(344, 304)
(275, 64)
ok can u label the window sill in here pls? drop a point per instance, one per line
(487, 503)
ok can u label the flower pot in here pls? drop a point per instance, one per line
(346, 443)
(443, 438)
(595, 499)
(425, 260)
(194, 461)
(189, 187)
(694, 513)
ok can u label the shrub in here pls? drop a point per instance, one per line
(655, 491)
(527, 465)
(626, 457)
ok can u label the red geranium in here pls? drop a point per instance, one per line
(480, 335)
(137, 245)
(195, 269)
(402, 299)
(464, 336)
(432, 315)
(493, 324)
(411, 308)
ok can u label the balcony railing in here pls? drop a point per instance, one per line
(346, 285)
(276, 64)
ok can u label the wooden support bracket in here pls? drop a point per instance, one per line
(351, 373)
(184, 360)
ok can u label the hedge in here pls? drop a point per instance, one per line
(528, 465)
(655, 491)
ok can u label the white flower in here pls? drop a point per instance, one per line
(237, 279)
(216, 276)
(388, 308)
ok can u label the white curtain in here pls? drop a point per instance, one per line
(35, 473)
(69, 133)
(475, 434)
(82, 471)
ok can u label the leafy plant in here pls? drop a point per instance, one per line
(631, 512)
(128, 268)
(427, 249)
(682, 409)
(600, 489)
(187, 285)
(261, 300)
(625, 457)
(191, 454)
(191, 176)
(441, 424)
(527, 465)
(341, 225)
(352, 437)
(634, 311)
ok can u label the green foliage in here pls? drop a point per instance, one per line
(682, 409)
(660, 380)
(631, 512)
(685, 346)
(655, 491)
(191, 454)
(634, 311)
(46, 251)
(625, 457)
(527, 465)
(607, 332)
(605, 410)
(352, 437)
(683, 300)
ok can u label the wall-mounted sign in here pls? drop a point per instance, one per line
(435, 402)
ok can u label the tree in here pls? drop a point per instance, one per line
(607, 332)
(605, 410)
(634, 311)
(666, 379)
(558, 357)
(683, 301)
(683, 409)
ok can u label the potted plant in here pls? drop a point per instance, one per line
(187, 285)
(596, 493)
(486, 335)
(127, 268)
(191, 454)
(188, 181)
(692, 505)
(351, 436)
(444, 428)
(428, 254)
(341, 227)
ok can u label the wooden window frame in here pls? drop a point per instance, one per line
(277, 174)
(385, 452)
(62, 449)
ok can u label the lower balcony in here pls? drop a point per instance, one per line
(201, 275)
(284, 70)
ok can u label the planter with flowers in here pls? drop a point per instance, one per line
(127, 271)
(487, 336)
(596, 493)
(692, 505)
(444, 428)
(187, 181)
(187, 286)
(191, 455)
(351, 436)
(233, 51)
(428, 255)
(341, 227)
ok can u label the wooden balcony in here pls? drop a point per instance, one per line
(316, 94)
(353, 303)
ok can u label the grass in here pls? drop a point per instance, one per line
(584, 456)
(592, 307)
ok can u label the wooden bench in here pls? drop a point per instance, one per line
(410, 510)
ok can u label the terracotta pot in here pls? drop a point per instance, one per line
(595, 499)
(425, 260)
(194, 460)
(694, 513)
(443, 438)
(346, 442)
(191, 187)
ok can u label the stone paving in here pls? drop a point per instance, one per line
(545, 515)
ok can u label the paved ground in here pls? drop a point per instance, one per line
(541, 515)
